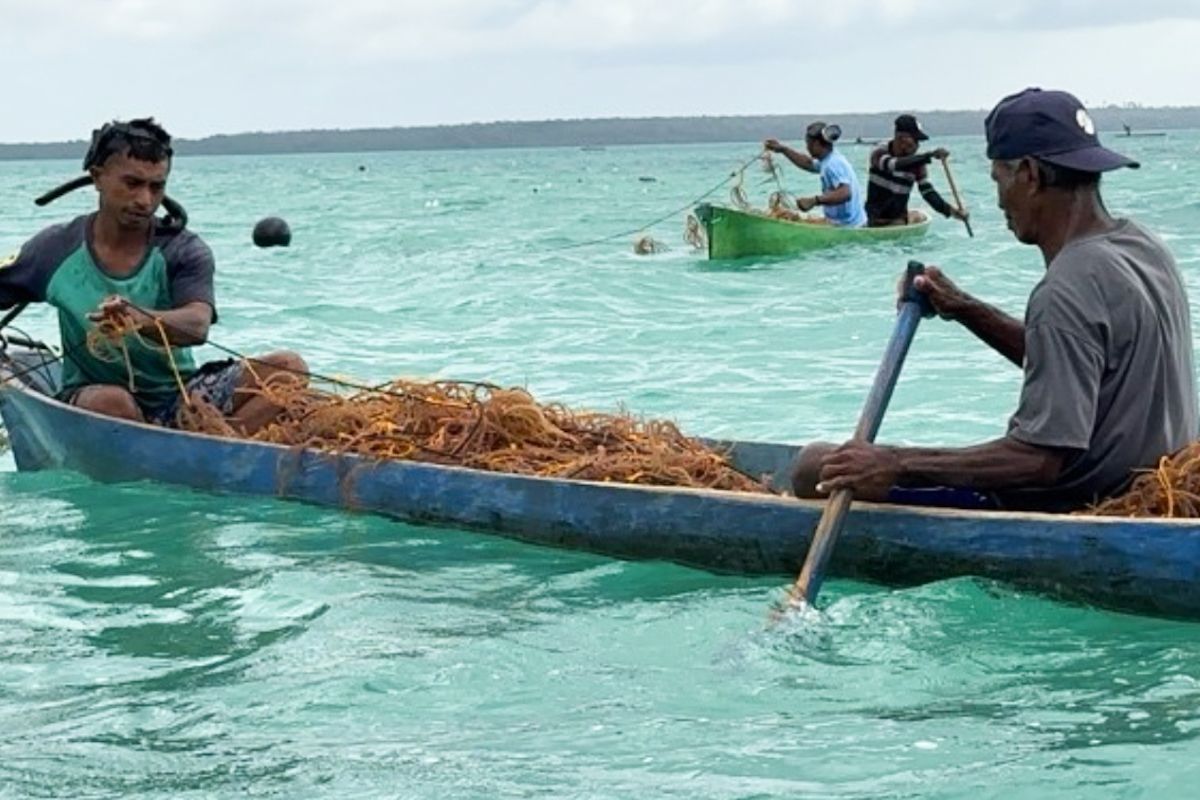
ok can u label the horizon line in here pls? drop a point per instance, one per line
(605, 119)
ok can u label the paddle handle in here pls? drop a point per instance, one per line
(912, 308)
(957, 199)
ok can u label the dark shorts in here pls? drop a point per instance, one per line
(215, 382)
(942, 497)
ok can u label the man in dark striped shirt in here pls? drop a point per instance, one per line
(895, 167)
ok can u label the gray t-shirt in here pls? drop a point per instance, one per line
(1108, 366)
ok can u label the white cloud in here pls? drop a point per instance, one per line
(418, 31)
(232, 65)
(422, 30)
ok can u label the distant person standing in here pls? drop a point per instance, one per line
(841, 196)
(895, 167)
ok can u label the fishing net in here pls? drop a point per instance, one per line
(483, 427)
(738, 197)
(648, 246)
(781, 204)
(1172, 489)
(693, 233)
(109, 340)
(475, 425)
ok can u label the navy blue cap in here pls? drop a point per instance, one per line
(1051, 126)
(907, 123)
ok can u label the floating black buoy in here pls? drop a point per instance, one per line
(272, 232)
(362, 168)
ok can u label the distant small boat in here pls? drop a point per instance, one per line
(592, 148)
(1131, 133)
(738, 234)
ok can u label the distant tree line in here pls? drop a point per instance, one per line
(600, 132)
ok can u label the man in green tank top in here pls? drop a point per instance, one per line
(121, 264)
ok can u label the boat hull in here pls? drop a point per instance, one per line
(731, 233)
(1145, 566)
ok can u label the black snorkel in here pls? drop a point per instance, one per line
(137, 134)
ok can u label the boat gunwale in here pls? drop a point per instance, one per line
(927, 220)
(750, 498)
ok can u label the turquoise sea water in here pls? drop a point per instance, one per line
(156, 642)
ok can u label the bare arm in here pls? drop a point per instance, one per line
(835, 196)
(870, 470)
(802, 160)
(185, 326)
(1001, 463)
(1001, 332)
(997, 330)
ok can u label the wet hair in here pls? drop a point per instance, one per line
(143, 139)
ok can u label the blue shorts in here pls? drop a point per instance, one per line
(942, 497)
(215, 381)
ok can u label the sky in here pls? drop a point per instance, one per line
(229, 66)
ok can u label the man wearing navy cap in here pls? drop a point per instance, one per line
(1105, 345)
(895, 167)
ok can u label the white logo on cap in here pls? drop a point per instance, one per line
(1085, 122)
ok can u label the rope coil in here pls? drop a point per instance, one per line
(481, 426)
(469, 424)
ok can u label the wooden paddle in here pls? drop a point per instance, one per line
(913, 306)
(957, 199)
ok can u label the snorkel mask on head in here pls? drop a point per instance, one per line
(144, 139)
(824, 133)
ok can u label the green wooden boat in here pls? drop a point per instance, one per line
(731, 233)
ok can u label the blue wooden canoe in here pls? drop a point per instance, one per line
(1143, 566)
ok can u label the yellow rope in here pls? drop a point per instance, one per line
(162, 333)
(128, 366)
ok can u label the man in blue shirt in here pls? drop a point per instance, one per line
(841, 196)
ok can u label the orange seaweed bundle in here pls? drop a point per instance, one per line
(485, 427)
(1170, 490)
